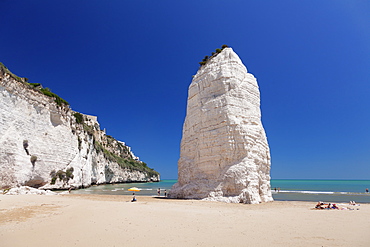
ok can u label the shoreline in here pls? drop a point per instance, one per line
(112, 220)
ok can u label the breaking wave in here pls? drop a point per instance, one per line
(321, 192)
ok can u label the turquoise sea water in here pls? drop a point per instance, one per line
(146, 189)
(320, 190)
(290, 189)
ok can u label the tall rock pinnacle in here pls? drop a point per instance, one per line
(224, 151)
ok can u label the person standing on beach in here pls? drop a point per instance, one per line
(159, 191)
(165, 193)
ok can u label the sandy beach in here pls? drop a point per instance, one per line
(103, 220)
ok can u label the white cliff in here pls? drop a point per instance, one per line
(47, 145)
(224, 152)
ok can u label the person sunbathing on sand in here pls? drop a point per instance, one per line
(319, 205)
(352, 202)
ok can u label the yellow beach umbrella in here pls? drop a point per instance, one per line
(133, 189)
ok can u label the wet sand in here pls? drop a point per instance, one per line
(103, 220)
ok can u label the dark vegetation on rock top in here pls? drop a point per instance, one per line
(46, 91)
(214, 54)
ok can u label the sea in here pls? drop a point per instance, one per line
(282, 189)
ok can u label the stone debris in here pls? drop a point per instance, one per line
(26, 190)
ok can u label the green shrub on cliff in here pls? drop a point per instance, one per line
(5, 70)
(58, 99)
(37, 86)
(33, 159)
(64, 176)
(131, 164)
(69, 173)
(79, 117)
(79, 143)
(206, 58)
(88, 129)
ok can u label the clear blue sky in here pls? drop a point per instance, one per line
(131, 62)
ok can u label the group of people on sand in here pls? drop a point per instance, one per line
(278, 189)
(158, 192)
(321, 205)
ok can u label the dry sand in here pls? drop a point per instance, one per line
(90, 220)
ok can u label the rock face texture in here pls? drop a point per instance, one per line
(25, 190)
(49, 146)
(224, 152)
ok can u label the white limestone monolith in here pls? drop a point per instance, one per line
(224, 152)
